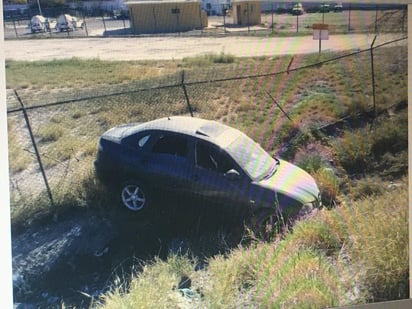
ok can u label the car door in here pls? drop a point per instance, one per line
(167, 163)
(213, 185)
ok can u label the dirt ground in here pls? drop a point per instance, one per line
(174, 47)
(87, 248)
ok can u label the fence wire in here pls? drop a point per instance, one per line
(66, 126)
(98, 22)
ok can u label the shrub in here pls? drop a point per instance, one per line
(156, 286)
(354, 149)
(391, 135)
(50, 133)
(310, 162)
(329, 185)
(206, 60)
(365, 187)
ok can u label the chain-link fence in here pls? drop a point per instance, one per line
(273, 21)
(88, 23)
(53, 136)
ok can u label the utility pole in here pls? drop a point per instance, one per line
(38, 4)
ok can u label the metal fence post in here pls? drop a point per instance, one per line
(297, 23)
(200, 19)
(373, 77)
(15, 28)
(185, 92)
(26, 118)
(376, 20)
(405, 13)
(85, 24)
(248, 21)
(104, 23)
(271, 14)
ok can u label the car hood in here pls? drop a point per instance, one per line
(117, 133)
(293, 181)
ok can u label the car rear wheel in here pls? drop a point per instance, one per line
(134, 196)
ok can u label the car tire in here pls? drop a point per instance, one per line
(134, 196)
(265, 222)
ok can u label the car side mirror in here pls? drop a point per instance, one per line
(232, 174)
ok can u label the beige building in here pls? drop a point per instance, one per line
(246, 12)
(161, 16)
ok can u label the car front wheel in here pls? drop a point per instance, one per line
(265, 222)
(134, 196)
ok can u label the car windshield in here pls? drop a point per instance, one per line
(255, 161)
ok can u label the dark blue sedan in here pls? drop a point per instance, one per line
(202, 161)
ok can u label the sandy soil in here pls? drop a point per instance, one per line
(171, 47)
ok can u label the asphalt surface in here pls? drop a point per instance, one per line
(175, 47)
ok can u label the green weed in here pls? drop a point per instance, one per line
(50, 133)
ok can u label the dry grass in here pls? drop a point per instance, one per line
(348, 255)
(335, 258)
(310, 97)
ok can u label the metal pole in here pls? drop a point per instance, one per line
(38, 4)
(186, 96)
(278, 105)
(297, 23)
(200, 19)
(272, 19)
(403, 19)
(15, 28)
(248, 21)
(224, 17)
(320, 41)
(376, 20)
(85, 24)
(349, 18)
(320, 31)
(323, 13)
(154, 19)
(26, 118)
(104, 23)
(373, 77)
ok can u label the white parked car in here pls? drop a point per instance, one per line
(66, 22)
(38, 24)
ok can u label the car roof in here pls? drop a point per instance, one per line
(211, 130)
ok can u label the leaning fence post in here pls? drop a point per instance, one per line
(373, 77)
(26, 118)
(15, 28)
(185, 92)
(278, 105)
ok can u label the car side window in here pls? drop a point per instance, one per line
(174, 145)
(211, 158)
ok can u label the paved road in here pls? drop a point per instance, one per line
(170, 47)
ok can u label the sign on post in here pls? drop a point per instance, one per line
(320, 32)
